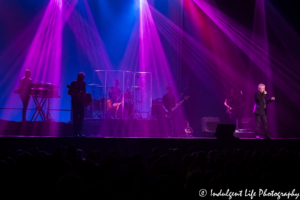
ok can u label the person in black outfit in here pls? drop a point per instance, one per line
(115, 97)
(77, 107)
(260, 109)
(24, 87)
(169, 102)
(232, 102)
(115, 92)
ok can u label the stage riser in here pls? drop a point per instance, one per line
(125, 128)
(245, 135)
(96, 128)
(39, 128)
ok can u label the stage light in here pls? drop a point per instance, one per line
(58, 3)
(142, 4)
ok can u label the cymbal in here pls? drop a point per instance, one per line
(93, 84)
(135, 87)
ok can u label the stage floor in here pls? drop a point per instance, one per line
(91, 128)
(105, 129)
(128, 137)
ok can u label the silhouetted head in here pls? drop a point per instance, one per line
(27, 73)
(117, 83)
(156, 152)
(80, 77)
(71, 152)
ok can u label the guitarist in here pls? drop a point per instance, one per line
(233, 100)
(169, 102)
(78, 109)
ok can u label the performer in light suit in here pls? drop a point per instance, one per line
(260, 109)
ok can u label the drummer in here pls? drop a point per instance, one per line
(115, 93)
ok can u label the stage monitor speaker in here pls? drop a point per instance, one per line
(157, 110)
(209, 124)
(247, 123)
(225, 131)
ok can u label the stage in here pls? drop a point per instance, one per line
(126, 136)
(91, 128)
(205, 54)
(109, 128)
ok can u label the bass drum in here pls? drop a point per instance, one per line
(127, 97)
(88, 112)
(117, 110)
(108, 104)
(96, 104)
(99, 104)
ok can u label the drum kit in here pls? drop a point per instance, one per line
(97, 110)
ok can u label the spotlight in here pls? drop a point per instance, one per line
(58, 3)
(142, 2)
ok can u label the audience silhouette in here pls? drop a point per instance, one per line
(172, 174)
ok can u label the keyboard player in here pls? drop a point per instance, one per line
(24, 88)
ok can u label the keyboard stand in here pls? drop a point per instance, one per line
(39, 107)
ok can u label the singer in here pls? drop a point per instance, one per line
(260, 109)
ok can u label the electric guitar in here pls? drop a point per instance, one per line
(235, 97)
(169, 114)
(84, 98)
(230, 109)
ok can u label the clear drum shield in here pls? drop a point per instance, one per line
(114, 94)
(98, 94)
(98, 84)
(128, 95)
(142, 95)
